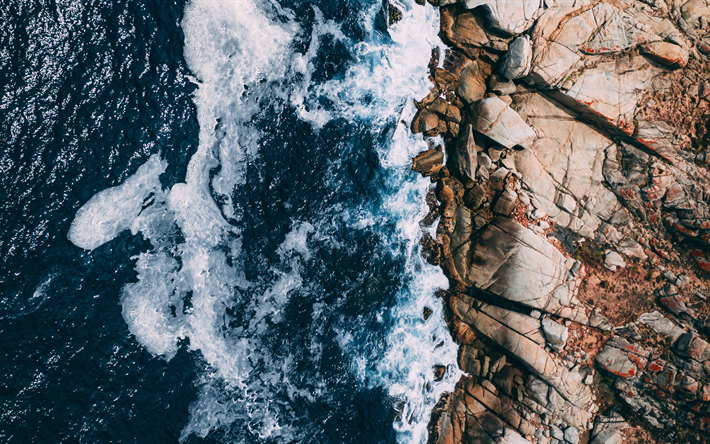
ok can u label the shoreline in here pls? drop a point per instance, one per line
(571, 221)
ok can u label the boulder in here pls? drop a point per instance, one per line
(564, 167)
(608, 429)
(660, 324)
(555, 333)
(666, 53)
(495, 119)
(467, 31)
(517, 60)
(425, 121)
(501, 86)
(506, 203)
(631, 248)
(464, 159)
(563, 36)
(613, 260)
(428, 162)
(472, 84)
(622, 359)
(566, 46)
(696, 15)
(514, 263)
(510, 16)
(572, 435)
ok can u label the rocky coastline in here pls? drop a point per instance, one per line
(570, 195)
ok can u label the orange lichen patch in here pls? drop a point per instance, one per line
(656, 366)
(638, 360)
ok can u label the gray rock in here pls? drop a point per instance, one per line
(631, 248)
(483, 174)
(555, 333)
(572, 435)
(484, 161)
(608, 429)
(494, 154)
(566, 202)
(506, 203)
(510, 16)
(500, 174)
(498, 121)
(517, 60)
(557, 433)
(613, 260)
(501, 86)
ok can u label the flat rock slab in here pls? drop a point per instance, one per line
(565, 161)
(513, 262)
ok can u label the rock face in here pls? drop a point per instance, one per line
(497, 120)
(573, 218)
(518, 59)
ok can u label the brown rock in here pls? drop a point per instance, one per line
(424, 122)
(472, 84)
(428, 162)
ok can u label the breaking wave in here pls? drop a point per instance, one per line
(288, 259)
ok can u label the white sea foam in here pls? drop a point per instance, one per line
(113, 210)
(242, 58)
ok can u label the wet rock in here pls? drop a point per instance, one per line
(424, 122)
(426, 312)
(498, 121)
(428, 162)
(467, 31)
(517, 60)
(613, 260)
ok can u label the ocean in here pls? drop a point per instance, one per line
(210, 228)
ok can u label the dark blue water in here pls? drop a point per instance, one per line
(282, 306)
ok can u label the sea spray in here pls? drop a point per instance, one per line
(192, 286)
